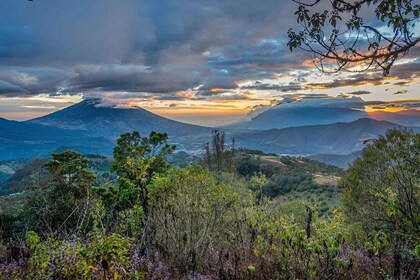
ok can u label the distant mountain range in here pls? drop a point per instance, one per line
(337, 138)
(318, 111)
(299, 127)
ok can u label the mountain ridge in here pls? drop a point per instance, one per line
(338, 138)
(320, 111)
(25, 140)
(96, 120)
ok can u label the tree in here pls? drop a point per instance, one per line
(62, 200)
(136, 160)
(258, 182)
(340, 39)
(381, 190)
(219, 156)
(192, 215)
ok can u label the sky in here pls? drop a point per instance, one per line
(205, 62)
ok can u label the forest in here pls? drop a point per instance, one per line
(233, 213)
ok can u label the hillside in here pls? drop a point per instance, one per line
(293, 178)
(289, 177)
(28, 140)
(338, 138)
(342, 161)
(9, 167)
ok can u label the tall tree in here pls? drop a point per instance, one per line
(136, 160)
(381, 190)
(219, 156)
(62, 200)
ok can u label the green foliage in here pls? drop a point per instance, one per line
(136, 160)
(108, 251)
(377, 242)
(381, 189)
(381, 192)
(102, 256)
(32, 239)
(258, 182)
(203, 224)
(62, 200)
(281, 238)
(130, 221)
(193, 216)
(218, 156)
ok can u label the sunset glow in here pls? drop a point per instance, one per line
(171, 67)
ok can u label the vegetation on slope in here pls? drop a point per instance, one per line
(215, 220)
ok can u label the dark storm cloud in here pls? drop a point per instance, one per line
(129, 78)
(17, 81)
(152, 46)
(17, 43)
(140, 46)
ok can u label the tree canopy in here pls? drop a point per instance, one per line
(340, 36)
(61, 201)
(381, 190)
(136, 160)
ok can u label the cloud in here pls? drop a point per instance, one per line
(359, 92)
(141, 46)
(351, 80)
(406, 104)
(129, 78)
(290, 87)
(29, 81)
(159, 50)
(401, 92)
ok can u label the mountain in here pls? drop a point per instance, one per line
(319, 111)
(337, 138)
(342, 161)
(26, 140)
(304, 112)
(88, 127)
(32, 132)
(99, 121)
